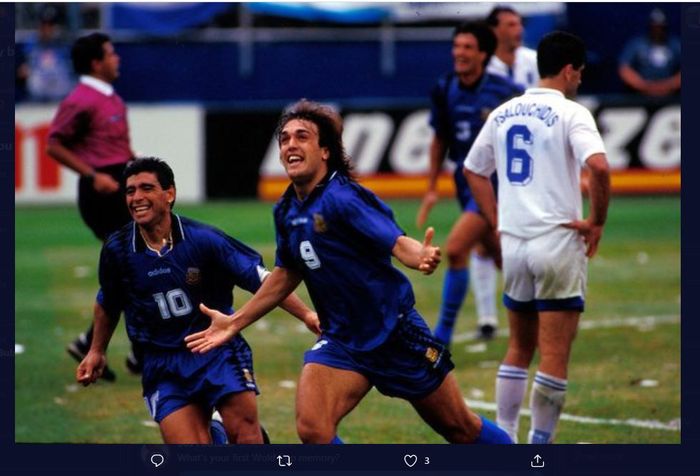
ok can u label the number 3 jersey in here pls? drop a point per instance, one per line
(160, 295)
(537, 143)
(340, 239)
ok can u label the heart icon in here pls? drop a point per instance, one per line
(410, 460)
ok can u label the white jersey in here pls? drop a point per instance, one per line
(524, 71)
(537, 143)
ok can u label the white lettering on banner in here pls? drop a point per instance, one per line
(617, 127)
(410, 153)
(366, 137)
(661, 144)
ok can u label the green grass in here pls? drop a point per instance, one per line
(637, 273)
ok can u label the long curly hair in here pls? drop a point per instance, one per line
(330, 132)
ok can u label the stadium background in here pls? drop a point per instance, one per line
(205, 84)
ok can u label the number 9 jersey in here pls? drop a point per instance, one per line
(160, 293)
(537, 143)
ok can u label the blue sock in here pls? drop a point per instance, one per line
(336, 441)
(454, 290)
(492, 434)
(218, 433)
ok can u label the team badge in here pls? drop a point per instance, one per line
(432, 354)
(485, 111)
(248, 376)
(319, 223)
(193, 276)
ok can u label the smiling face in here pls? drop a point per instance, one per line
(304, 160)
(148, 203)
(468, 60)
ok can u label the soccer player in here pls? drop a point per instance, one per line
(339, 238)
(518, 63)
(157, 270)
(90, 135)
(511, 59)
(461, 100)
(538, 144)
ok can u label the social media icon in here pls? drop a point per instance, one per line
(157, 459)
(410, 460)
(537, 462)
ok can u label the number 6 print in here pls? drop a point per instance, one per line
(519, 163)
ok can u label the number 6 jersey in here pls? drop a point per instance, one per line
(537, 143)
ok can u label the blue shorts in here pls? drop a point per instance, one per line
(464, 193)
(175, 378)
(410, 364)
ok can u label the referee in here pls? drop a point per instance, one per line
(90, 135)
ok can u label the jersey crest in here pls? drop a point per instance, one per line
(320, 225)
(193, 276)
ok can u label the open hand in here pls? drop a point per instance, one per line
(220, 331)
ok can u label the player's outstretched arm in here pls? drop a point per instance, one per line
(416, 255)
(278, 285)
(92, 366)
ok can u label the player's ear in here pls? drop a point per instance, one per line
(171, 193)
(325, 153)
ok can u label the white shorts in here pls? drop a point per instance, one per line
(545, 273)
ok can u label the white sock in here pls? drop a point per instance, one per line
(546, 402)
(482, 271)
(511, 383)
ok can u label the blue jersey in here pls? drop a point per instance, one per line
(160, 295)
(340, 239)
(458, 113)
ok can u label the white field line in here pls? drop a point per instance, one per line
(673, 425)
(643, 322)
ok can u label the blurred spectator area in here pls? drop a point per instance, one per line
(269, 52)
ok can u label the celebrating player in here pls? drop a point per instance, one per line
(338, 237)
(538, 143)
(461, 101)
(90, 135)
(157, 270)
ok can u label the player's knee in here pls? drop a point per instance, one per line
(520, 355)
(554, 362)
(312, 431)
(456, 254)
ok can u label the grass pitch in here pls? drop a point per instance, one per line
(624, 377)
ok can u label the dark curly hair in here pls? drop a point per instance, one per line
(163, 172)
(330, 132)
